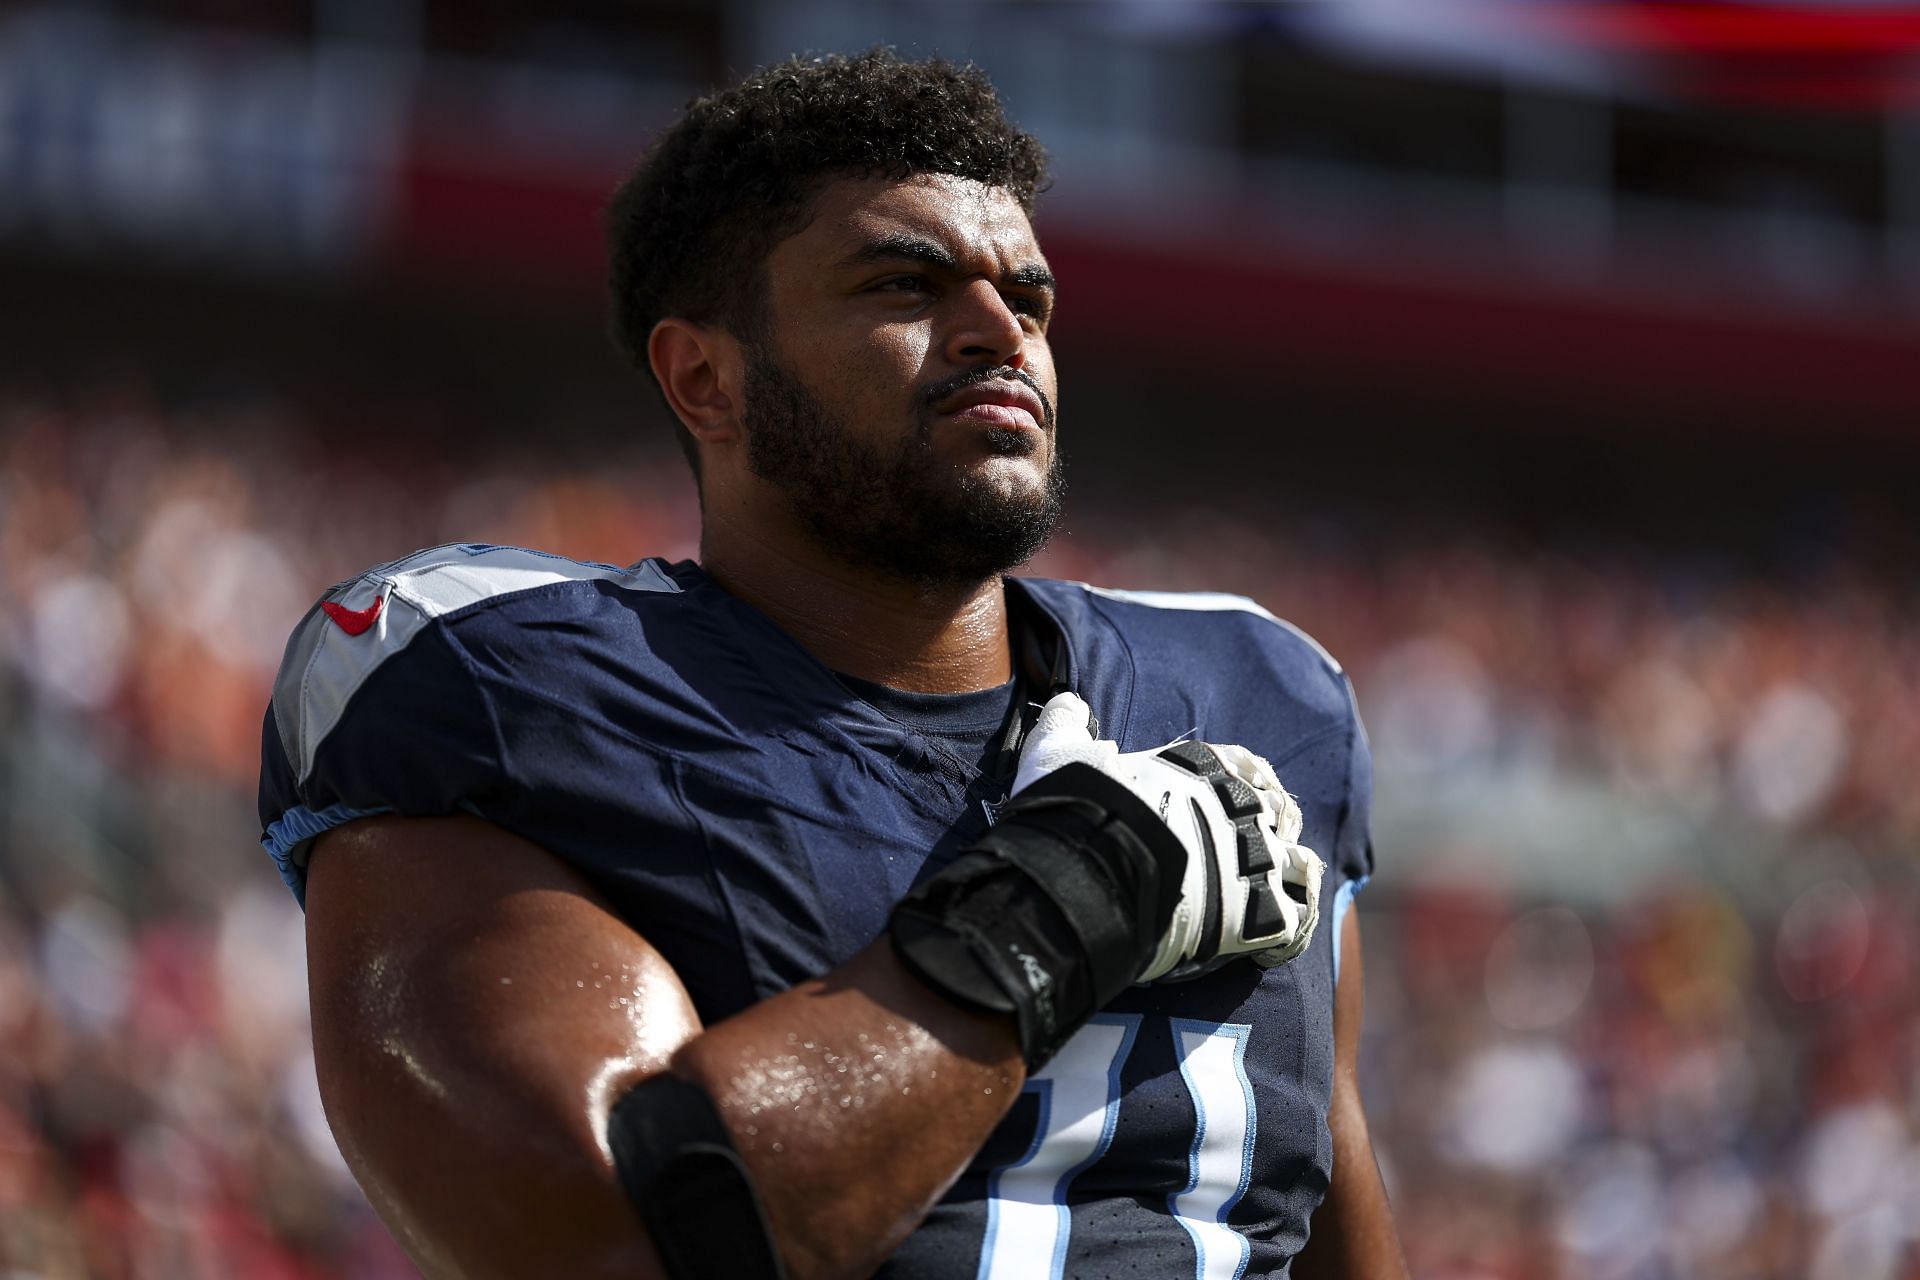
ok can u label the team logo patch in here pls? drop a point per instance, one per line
(353, 621)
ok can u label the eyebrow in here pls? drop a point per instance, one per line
(1031, 276)
(912, 248)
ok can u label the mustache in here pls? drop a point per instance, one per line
(974, 377)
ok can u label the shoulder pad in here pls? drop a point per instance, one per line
(1215, 602)
(362, 622)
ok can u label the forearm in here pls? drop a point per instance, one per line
(1353, 1236)
(855, 1100)
(829, 1090)
(468, 1068)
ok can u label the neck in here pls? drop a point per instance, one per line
(944, 639)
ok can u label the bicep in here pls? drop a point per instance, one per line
(1346, 1116)
(1352, 1236)
(1349, 1001)
(476, 1010)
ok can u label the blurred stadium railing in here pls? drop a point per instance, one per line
(1581, 383)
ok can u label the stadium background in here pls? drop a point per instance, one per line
(1555, 365)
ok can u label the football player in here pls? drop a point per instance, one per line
(836, 905)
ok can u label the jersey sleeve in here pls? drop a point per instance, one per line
(1353, 842)
(378, 714)
(1353, 838)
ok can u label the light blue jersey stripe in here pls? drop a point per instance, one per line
(287, 839)
(1343, 903)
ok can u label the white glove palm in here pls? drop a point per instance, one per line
(1250, 887)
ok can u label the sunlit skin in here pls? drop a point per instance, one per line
(471, 1030)
(1353, 1236)
(891, 288)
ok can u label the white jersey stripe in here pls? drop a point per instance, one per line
(324, 666)
(1209, 602)
(1213, 1061)
(1027, 1215)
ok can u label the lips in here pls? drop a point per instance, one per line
(1003, 404)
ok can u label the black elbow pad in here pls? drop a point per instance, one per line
(681, 1170)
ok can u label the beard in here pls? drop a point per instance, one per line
(901, 511)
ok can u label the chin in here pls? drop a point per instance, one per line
(1009, 481)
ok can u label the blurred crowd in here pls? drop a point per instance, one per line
(1641, 995)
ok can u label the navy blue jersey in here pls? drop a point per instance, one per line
(755, 820)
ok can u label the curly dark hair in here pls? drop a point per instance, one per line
(690, 230)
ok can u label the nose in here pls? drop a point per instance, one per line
(985, 330)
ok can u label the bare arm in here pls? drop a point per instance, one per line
(477, 1009)
(1353, 1236)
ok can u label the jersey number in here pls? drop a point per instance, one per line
(1027, 1218)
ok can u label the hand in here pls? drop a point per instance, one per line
(1250, 888)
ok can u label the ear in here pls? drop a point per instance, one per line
(698, 367)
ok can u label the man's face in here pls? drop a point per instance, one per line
(902, 395)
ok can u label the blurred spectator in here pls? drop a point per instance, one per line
(1640, 961)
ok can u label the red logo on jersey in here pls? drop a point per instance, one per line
(353, 621)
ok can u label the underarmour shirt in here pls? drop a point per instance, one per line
(969, 725)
